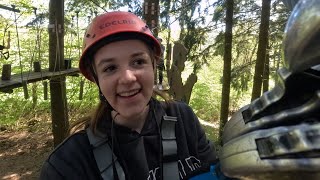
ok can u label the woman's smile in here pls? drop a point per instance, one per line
(130, 97)
(130, 93)
(126, 78)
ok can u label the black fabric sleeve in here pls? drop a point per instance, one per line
(48, 172)
(72, 159)
(205, 148)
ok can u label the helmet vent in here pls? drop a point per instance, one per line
(88, 35)
(145, 28)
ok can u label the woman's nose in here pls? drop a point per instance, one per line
(127, 76)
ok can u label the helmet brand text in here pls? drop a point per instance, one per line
(114, 23)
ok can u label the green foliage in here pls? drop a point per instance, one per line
(204, 102)
(241, 77)
(94, 7)
(28, 36)
(15, 108)
(206, 94)
(245, 39)
(219, 44)
(205, 98)
(212, 134)
(195, 27)
(202, 26)
(218, 13)
(90, 94)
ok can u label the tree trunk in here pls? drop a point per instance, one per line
(34, 95)
(59, 110)
(178, 90)
(226, 67)
(266, 72)
(182, 21)
(167, 6)
(151, 15)
(262, 48)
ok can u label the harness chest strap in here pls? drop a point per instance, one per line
(169, 148)
(101, 152)
(169, 145)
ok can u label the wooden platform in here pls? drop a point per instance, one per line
(30, 77)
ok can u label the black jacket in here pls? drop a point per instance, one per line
(139, 154)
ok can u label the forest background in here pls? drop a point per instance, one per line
(201, 26)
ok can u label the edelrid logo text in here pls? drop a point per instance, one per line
(114, 23)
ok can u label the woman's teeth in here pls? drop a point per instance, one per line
(129, 93)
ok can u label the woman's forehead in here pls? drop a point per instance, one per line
(124, 46)
(121, 49)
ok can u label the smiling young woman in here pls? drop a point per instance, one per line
(126, 80)
(131, 135)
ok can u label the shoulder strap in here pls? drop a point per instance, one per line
(169, 145)
(102, 151)
(103, 156)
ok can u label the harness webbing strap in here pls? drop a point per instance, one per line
(102, 154)
(169, 145)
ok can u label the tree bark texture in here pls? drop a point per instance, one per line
(262, 49)
(266, 72)
(224, 111)
(178, 90)
(59, 110)
(151, 15)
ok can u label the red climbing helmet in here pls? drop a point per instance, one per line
(115, 26)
